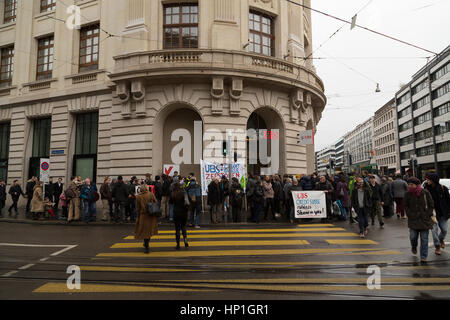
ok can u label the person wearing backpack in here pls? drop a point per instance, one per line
(146, 225)
(441, 199)
(195, 198)
(419, 206)
(236, 199)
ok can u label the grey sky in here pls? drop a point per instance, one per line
(351, 96)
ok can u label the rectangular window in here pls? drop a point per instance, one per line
(426, 134)
(407, 140)
(45, 58)
(405, 126)
(262, 39)
(89, 48)
(441, 91)
(441, 110)
(422, 119)
(86, 134)
(443, 147)
(10, 11)
(48, 5)
(4, 149)
(41, 137)
(426, 151)
(180, 26)
(403, 98)
(440, 72)
(420, 103)
(421, 86)
(7, 66)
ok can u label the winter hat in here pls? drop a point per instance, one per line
(433, 177)
(414, 181)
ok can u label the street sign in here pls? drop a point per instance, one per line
(45, 170)
(306, 138)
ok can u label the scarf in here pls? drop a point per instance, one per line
(417, 191)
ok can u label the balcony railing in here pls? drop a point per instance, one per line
(200, 61)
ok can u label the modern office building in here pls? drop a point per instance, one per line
(339, 148)
(324, 158)
(423, 111)
(358, 148)
(386, 139)
(116, 96)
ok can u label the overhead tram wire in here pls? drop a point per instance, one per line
(363, 27)
(333, 34)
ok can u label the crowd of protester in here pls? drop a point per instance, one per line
(364, 199)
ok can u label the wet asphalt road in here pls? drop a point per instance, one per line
(233, 262)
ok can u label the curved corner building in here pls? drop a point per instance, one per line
(108, 98)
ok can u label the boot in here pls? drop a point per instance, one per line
(178, 242)
(146, 246)
(186, 244)
(438, 251)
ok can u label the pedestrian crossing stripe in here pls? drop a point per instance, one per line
(128, 269)
(312, 288)
(215, 244)
(224, 253)
(104, 288)
(252, 235)
(340, 241)
(386, 280)
(253, 230)
(375, 253)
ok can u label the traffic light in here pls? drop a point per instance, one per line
(410, 163)
(415, 163)
(224, 148)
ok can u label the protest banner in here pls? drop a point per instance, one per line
(210, 171)
(309, 204)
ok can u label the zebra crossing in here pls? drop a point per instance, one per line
(248, 251)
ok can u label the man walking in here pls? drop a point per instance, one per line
(15, 191)
(376, 202)
(399, 189)
(441, 199)
(361, 202)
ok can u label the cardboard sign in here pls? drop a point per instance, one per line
(210, 170)
(310, 204)
(169, 169)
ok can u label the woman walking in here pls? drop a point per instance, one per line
(180, 202)
(37, 203)
(419, 206)
(146, 225)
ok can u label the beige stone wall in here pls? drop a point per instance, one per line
(131, 134)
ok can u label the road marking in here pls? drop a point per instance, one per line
(27, 266)
(44, 259)
(316, 225)
(377, 253)
(200, 244)
(224, 253)
(254, 230)
(64, 250)
(97, 288)
(317, 288)
(9, 273)
(386, 280)
(128, 269)
(340, 241)
(266, 235)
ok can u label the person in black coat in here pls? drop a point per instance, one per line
(215, 200)
(2, 196)
(180, 202)
(58, 188)
(236, 199)
(361, 202)
(15, 191)
(50, 190)
(326, 186)
(441, 199)
(120, 194)
(376, 197)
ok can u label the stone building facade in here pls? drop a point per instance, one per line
(106, 99)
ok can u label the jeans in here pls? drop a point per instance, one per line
(363, 219)
(376, 211)
(89, 211)
(292, 212)
(443, 225)
(165, 206)
(414, 237)
(14, 206)
(196, 211)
